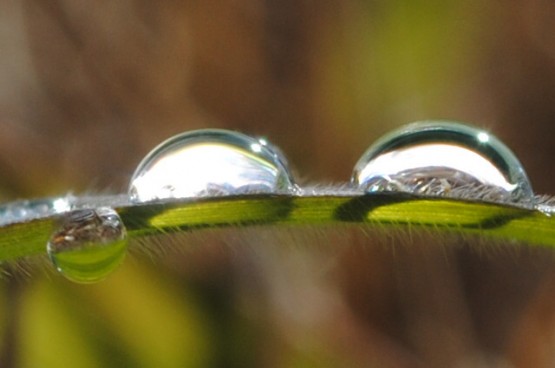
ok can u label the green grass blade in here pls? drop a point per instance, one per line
(486, 220)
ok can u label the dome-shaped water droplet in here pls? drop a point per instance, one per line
(88, 245)
(208, 163)
(444, 159)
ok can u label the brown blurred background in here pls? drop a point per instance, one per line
(88, 88)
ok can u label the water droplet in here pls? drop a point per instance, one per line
(88, 245)
(26, 210)
(211, 162)
(444, 159)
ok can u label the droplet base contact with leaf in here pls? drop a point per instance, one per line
(437, 175)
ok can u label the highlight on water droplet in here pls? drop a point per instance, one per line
(440, 158)
(26, 210)
(211, 162)
(88, 245)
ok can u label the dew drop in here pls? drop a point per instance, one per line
(211, 162)
(88, 245)
(440, 158)
(29, 209)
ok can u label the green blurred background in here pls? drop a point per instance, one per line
(88, 88)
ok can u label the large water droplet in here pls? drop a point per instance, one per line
(88, 245)
(444, 159)
(209, 163)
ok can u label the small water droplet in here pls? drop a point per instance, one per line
(444, 159)
(88, 245)
(29, 209)
(211, 162)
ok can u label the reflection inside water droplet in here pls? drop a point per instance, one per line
(210, 163)
(88, 245)
(444, 159)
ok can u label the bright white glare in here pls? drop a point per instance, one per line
(192, 170)
(435, 156)
(61, 205)
(483, 137)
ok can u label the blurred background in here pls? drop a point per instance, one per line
(88, 88)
